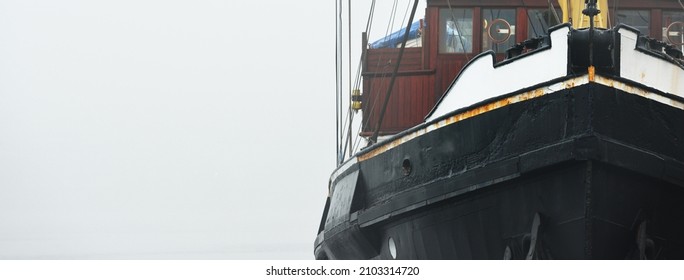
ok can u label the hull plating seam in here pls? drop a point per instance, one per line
(585, 148)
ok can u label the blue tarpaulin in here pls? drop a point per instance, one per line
(392, 40)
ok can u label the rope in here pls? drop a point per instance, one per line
(458, 28)
(391, 20)
(338, 80)
(369, 24)
(356, 143)
(374, 138)
(403, 20)
(371, 14)
(388, 29)
(530, 20)
(555, 14)
(357, 79)
(615, 8)
(349, 67)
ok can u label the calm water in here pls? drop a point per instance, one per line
(145, 246)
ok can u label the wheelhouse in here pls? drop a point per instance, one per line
(452, 32)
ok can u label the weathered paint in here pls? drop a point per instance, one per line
(639, 91)
(587, 149)
(342, 168)
(474, 84)
(647, 69)
(567, 84)
(572, 82)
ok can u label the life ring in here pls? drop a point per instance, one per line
(499, 31)
(679, 24)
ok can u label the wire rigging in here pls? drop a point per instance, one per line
(338, 79)
(384, 87)
(348, 136)
(369, 24)
(615, 9)
(349, 67)
(357, 142)
(458, 29)
(536, 15)
(376, 131)
(370, 110)
(555, 14)
(346, 129)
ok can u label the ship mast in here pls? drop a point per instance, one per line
(573, 12)
(591, 11)
(338, 79)
(342, 142)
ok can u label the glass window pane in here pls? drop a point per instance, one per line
(498, 27)
(673, 27)
(455, 30)
(539, 21)
(639, 19)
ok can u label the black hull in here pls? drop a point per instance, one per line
(602, 169)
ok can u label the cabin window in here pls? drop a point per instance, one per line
(639, 19)
(456, 30)
(498, 27)
(539, 21)
(673, 27)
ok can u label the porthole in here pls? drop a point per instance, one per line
(406, 167)
(392, 248)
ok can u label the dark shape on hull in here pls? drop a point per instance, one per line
(589, 165)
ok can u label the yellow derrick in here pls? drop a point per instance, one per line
(572, 12)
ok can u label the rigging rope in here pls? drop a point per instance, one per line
(387, 34)
(375, 100)
(361, 125)
(392, 18)
(374, 138)
(459, 30)
(349, 67)
(615, 8)
(530, 20)
(555, 14)
(348, 136)
(350, 116)
(369, 23)
(338, 80)
(357, 82)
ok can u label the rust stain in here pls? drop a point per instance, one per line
(570, 84)
(454, 119)
(519, 98)
(640, 92)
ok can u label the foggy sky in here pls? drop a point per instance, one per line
(165, 129)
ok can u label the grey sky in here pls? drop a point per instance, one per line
(165, 129)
